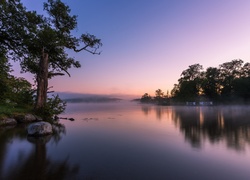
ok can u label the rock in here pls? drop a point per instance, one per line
(27, 118)
(39, 129)
(7, 122)
(56, 118)
(38, 118)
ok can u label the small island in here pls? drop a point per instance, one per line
(227, 84)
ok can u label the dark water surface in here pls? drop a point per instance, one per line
(126, 140)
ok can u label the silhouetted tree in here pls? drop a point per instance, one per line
(210, 84)
(40, 41)
(190, 84)
(159, 96)
(146, 98)
(228, 72)
(242, 88)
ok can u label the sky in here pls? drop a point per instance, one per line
(148, 43)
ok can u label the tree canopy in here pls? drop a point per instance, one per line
(40, 42)
(228, 83)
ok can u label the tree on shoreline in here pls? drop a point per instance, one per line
(42, 41)
(229, 83)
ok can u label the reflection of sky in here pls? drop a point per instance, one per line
(147, 44)
(134, 141)
(16, 153)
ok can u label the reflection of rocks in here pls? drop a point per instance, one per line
(89, 119)
(39, 129)
(7, 127)
(41, 139)
(37, 164)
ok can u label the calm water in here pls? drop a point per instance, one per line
(132, 141)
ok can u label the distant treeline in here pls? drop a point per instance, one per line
(228, 83)
(95, 99)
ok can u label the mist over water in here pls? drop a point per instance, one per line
(127, 140)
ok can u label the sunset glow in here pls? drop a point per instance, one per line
(147, 44)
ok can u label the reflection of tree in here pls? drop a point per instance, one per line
(159, 111)
(146, 109)
(7, 133)
(38, 165)
(216, 124)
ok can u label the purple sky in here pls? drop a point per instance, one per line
(148, 43)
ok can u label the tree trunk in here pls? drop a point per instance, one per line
(42, 81)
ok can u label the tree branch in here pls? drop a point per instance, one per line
(62, 68)
(85, 48)
(50, 75)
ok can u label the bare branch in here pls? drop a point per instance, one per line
(62, 68)
(50, 75)
(50, 92)
(85, 49)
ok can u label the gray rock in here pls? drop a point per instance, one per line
(7, 122)
(39, 129)
(27, 118)
(38, 118)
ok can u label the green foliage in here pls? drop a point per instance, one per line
(190, 84)
(14, 91)
(54, 106)
(227, 83)
(27, 36)
(242, 88)
(20, 91)
(188, 91)
(211, 83)
(16, 28)
(4, 74)
(53, 33)
(8, 110)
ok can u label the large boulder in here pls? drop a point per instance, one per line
(39, 129)
(27, 118)
(7, 122)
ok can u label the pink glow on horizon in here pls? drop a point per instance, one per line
(146, 45)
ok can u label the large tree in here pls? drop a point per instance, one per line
(42, 41)
(190, 83)
(229, 71)
(210, 85)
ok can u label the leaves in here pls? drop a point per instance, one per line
(229, 81)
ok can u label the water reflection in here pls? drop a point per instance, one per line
(230, 125)
(26, 157)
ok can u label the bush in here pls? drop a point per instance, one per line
(54, 106)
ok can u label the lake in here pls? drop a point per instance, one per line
(127, 140)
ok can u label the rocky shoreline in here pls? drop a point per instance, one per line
(36, 125)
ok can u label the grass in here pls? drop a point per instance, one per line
(10, 111)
